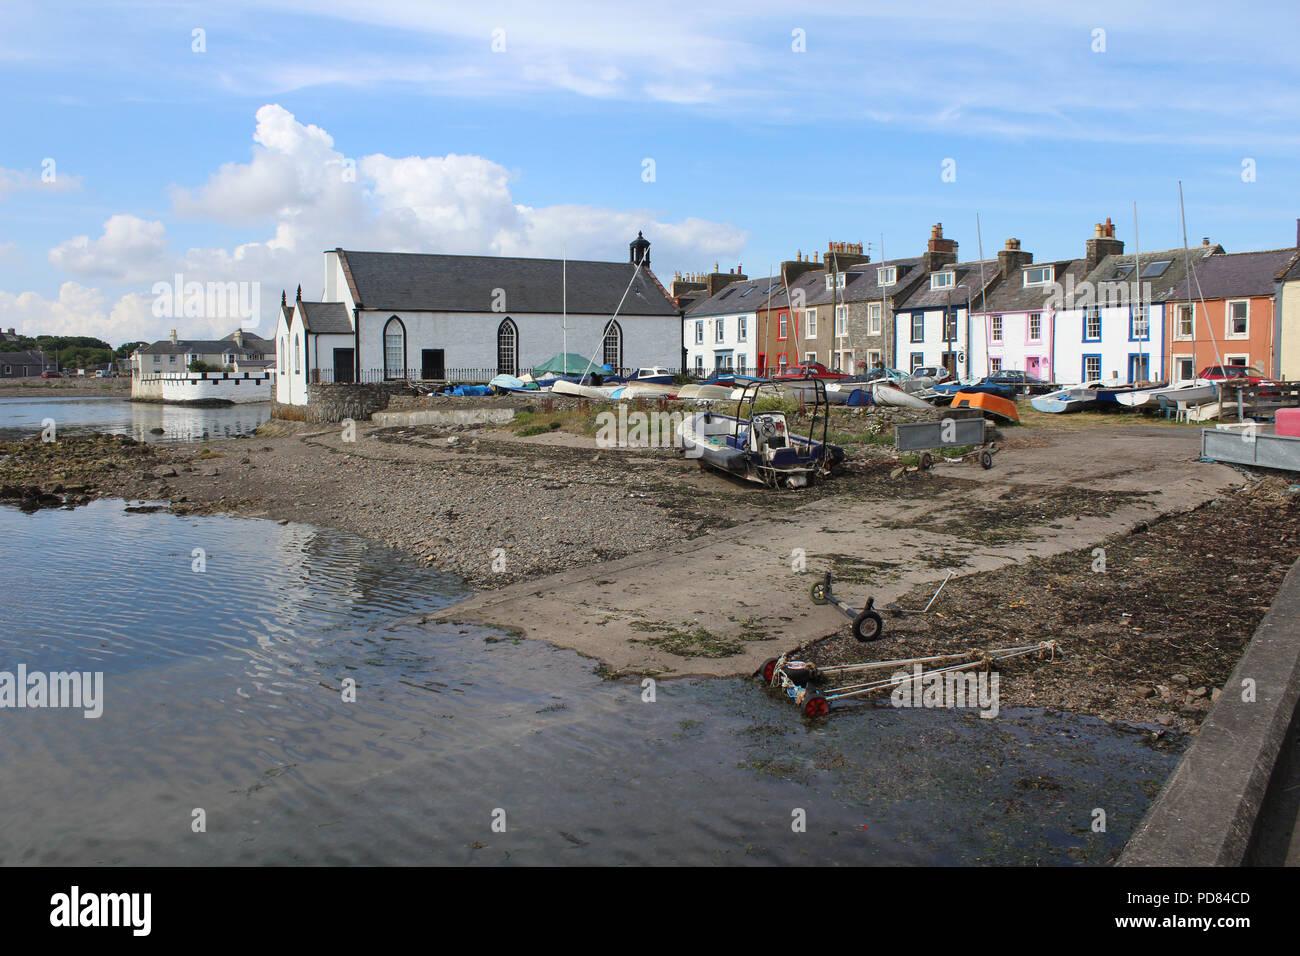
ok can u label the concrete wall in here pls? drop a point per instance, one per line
(333, 403)
(182, 387)
(1213, 808)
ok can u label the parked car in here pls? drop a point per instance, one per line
(1023, 382)
(1218, 373)
(936, 372)
(888, 374)
(104, 373)
(809, 370)
(50, 373)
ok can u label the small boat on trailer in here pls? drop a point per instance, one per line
(761, 446)
(1002, 408)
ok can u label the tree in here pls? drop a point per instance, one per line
(126, 348)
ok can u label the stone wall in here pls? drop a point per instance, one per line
(334, 402)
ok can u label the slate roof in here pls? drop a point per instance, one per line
(28, 357)
(861, 283)
(252, 338)
(966, 283)
(418, 282)
(1237, 274)
(325, 317)
(746, 295)
(1012, 295)
(197, 347)
(1170, 285)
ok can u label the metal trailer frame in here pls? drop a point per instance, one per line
(967, 430)
(796, 679)
(868, 625)
(1254, 448)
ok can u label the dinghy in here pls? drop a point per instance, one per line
(1002, 408)
(643, 389)
(1073, 398)
(884, 394)
(599, 393)
(1193, 392)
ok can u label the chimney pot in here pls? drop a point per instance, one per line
(1205, 240)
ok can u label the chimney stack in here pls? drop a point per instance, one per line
(172, 335)
(939, 251)
(1102, 244)
(239, 338)
(1011, 258)
(844, 255)
(719, 280)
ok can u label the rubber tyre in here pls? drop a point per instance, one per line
(818, 593)
(927, 461)
(768, 670)
(815, 705)
(986, 460)
(868, 626)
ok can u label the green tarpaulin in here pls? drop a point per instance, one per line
(571, 364)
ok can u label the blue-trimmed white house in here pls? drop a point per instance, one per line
(1112, 324)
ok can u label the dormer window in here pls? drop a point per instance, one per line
(835, 280)
(1039, 275)
(886, 275)
(942, 280)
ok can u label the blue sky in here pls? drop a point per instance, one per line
(231, 163)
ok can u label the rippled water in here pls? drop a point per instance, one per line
(222, 692)
(23, 417)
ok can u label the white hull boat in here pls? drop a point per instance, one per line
(1192, 392)
(889, 395)
(643, 390)
(1074, 398)
(599, 393)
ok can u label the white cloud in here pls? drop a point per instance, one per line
(18, 180)
(309, 197)
(130, 248)
(80, 310)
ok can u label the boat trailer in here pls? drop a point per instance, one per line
(867, 624)
(798, 679)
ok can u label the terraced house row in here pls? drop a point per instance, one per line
(1158, 315)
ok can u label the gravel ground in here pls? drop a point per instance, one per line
(1149, 639)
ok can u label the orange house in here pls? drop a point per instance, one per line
(1230, 317)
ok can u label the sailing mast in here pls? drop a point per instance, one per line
(564, 315)
(1137, 290)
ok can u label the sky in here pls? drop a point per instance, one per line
(235, 141)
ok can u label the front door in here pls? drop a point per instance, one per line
(1032, 367)
(950, 363)
(343, 361)
(1139, 368)
(433, 364)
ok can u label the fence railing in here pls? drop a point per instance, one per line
(1242, 400)
(466, 376)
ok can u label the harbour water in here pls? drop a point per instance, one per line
(23, 417)
(229, 647)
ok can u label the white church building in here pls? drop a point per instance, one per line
(388, 316)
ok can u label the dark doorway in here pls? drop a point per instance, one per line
(343, 360)
(433, 364)
(950, 363)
